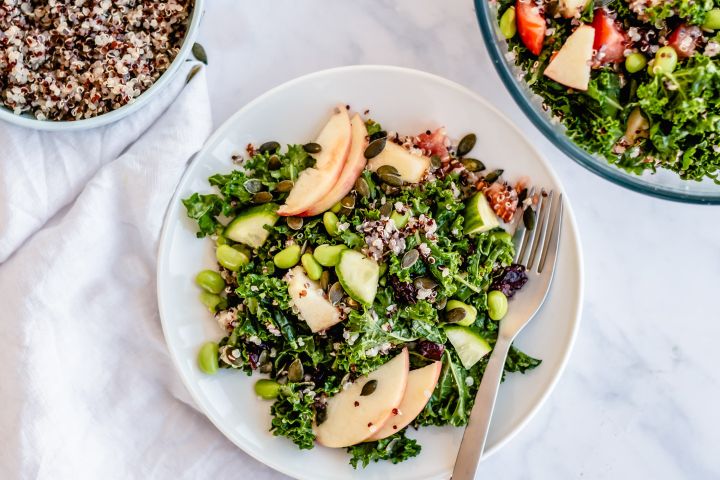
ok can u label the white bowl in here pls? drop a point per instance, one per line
(29, 121)
(403, 100)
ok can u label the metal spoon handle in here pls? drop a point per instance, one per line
(473, 442)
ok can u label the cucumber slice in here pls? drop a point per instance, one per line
(469, 345)
(358, 276)
(479, 215)
(249, 226)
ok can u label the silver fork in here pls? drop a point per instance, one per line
(536, 250)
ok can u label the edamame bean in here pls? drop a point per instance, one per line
(212, 301)
(508, 27)
(336, 208)
(312, 267)
(328, 255)
(231, 258)
(288, 257)
(208, 358)
(635, 62)
(267, 389)
(330, 220)
(712, 20)
(665, 61)
(497, 304)
(502, 236)
(211, 281)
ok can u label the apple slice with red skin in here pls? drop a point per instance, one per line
(357, 412)
(420, 386)
(315, 183)
(354, 166)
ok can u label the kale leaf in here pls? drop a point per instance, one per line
(395, 448)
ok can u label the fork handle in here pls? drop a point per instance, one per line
(473, 441)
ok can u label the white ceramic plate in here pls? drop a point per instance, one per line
(407, 101)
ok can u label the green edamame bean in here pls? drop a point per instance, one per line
(221, 241)
(712, 20)
(212, 301)
(288, 257)
(503, 236)
(330, 220)
(328, 255)
(267, 389)
(312, 267)
(400, 219)
(231, 258)
(211, 281)
(497, 304)
(666, 60)
(508, 27)
(336, 208)
(208, 358)
(635, 62)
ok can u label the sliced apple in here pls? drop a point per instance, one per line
(354, 166)
(315, 183)
(352, 417)
(411, 167)
(571, 65)
(572, 8)
(420, 386)
(309, 298)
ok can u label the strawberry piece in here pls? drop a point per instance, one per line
(684, 39)
(610, 39)
(531, 25)
(434, 143)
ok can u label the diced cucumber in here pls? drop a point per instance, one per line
(328, 255)
(479, 215)
(358, 276)
(469, 345)
(249, 226)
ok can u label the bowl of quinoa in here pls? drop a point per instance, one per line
(78, 64)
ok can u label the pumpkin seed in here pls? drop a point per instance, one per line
(388, 170)
(296, 223)
(456, 315)
(529, 218)
(336, 293)
(494, 175)
(375, 147)
(296, 372)
(325, 280)
(192, 73)
(389, 189)
(320, 417)
(435, 161)
(269, 147)
(442, 303)
(198, 52)
(265, 368)
(282, 379)
(466, 144)
(263, 357)
(227, 356)
(253, 185)
(386, 210)
(274, 163)
(369, 388)
(392, 180)
(262, 197)
(312, 147)
(284, 186)
(473, 165)
(348, 202)
(425, 282)
(362, 187)
(410, 257)
(376, 135)
(351, 303)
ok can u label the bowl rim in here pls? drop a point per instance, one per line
(106, 118)
(606, 171)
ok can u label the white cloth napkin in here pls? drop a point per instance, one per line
(87, 386)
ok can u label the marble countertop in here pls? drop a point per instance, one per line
(640, 395)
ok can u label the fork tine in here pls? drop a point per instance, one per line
(521, 234)
(544, 219)
(528, 247)
(549, 253)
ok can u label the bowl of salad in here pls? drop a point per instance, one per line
(630, 89)
(334, 265)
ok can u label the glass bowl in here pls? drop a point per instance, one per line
(662, 184)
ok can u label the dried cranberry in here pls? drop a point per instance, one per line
(404, 292)
(430, 350)
(509, 279)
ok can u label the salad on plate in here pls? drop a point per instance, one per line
(363, 276)
(634, 81)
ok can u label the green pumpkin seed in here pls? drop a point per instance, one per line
(253, 185)
(230, 354)
(388, 170)
(529, 218)
(494, 175)
(376, 135)
(392, 180)
(410, 257)
(265, 368)
(348, 202)
(386, 210)
(472, 165)
(466, 144)
(425, 282)
(324, 280)
(274, 163)
(312, 147)
(442, 303)
(389, 189)
(284, 186)
(296, 372)
(336, 293)
(456, 315)
(375, 147)
(269, 147)
(262, 197)
(282, 379)
(192, 73)
(295, 223)
(362, 187)
(369, 388)
(198, 52)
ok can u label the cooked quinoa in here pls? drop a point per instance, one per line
(69, 60)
